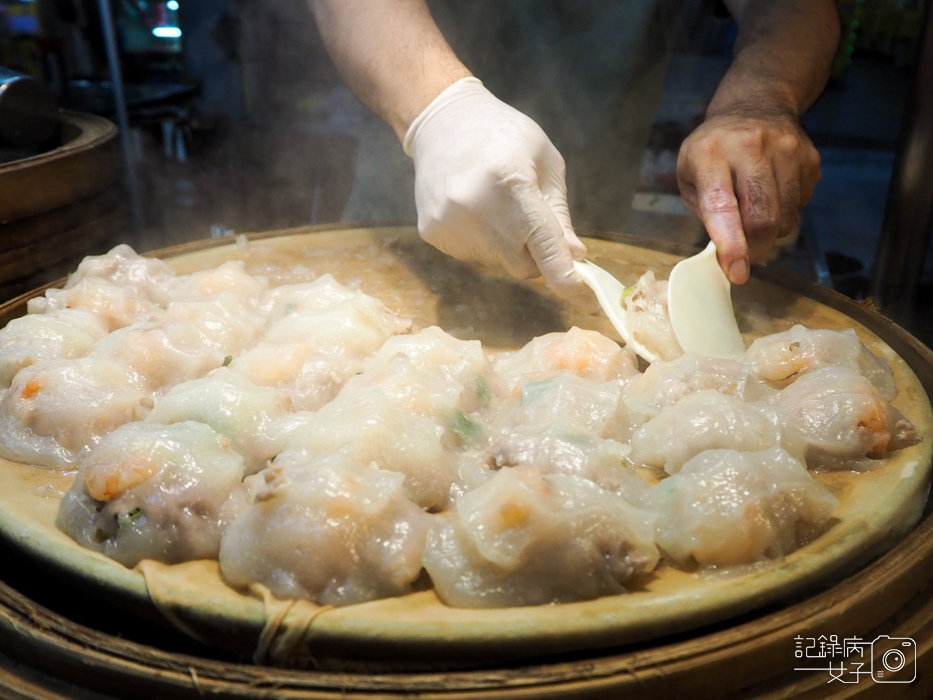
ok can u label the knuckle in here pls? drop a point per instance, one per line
(788, 142)
(718, 200)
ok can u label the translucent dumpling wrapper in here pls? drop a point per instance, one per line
(58, 335)
(586, 353)
(726, 508)
(401, 426)
(113, 305)
(230, 278)
(294, 298)
(149, 278)
(568, 448)
(526, 539)
(252, 418)
(308, 355)
(449, 359)
(647, 318)
(150, 491)
(597, 406)
(782, 357)
(328, 530)
(57, 410)
(665, 383)
(230, 321)
(569, 425)
(159, 355)
(838, 419)
(358, 327)
(701, 421)
(428, 393)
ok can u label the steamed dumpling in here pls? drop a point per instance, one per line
(526, 539)
(330, 530)
(57, 410)
(783, 357)
(308, 354)
(153, 491)
(839, 419)
(113, 305)
(157, 356)
(665, 383)
(726, 507)
(588, 354)
(252, 418)
(149, 278)
(450, 360)
(229, 321)
(398, 419)
(700, 421)
(228, 279)
(58, 335)
(566, 424)
(647, 317)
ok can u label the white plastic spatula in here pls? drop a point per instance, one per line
(699, 300)
(609, 292)
(699, 304)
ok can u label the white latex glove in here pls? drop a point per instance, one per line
(489, 187)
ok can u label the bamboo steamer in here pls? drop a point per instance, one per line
(61, 205)
(76, 645)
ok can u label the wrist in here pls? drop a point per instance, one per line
(761, 101)
(457, 90)
(417, 98)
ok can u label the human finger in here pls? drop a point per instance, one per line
(760, 206)
(718, 208)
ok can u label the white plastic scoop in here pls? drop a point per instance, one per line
(609, 292)
(699, 302)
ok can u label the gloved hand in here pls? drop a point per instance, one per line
(489, 187)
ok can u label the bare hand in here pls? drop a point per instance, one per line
(747, 177)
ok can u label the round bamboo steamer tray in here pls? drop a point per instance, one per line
(58, 206)
(60, 644)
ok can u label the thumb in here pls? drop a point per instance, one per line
(551, 249)
(554, 194)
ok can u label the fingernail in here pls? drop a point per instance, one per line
(738, 272)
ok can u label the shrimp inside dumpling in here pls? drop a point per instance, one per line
(159, 355)
(57, 410)
(586, 353)
(726, 507)
(781, 358)
(839, 419)
(310, 353)
(113, 305)
(152, 491)
(331, 530)
(526, 539)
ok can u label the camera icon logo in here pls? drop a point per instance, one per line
(894, 656)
